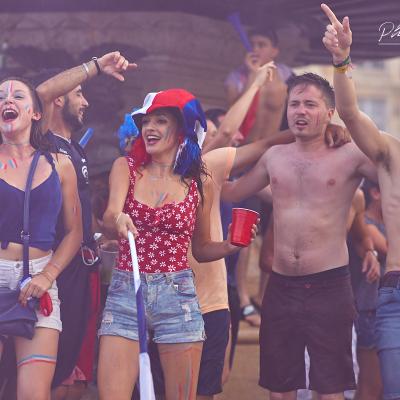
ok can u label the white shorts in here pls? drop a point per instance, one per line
(10, 275)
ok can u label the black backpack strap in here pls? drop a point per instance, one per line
(25, 231)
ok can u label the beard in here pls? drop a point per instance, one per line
(71, 118)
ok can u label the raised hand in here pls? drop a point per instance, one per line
(252, 62)
(264, 74)
(115, 64)
(338, 36)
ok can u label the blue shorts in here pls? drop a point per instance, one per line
(172, 309)
(388, 340)
(365, 328)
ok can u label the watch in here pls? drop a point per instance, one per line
(96, 63)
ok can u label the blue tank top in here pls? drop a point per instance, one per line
(45, 205)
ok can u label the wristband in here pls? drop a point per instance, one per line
(86, 68)
(374, 252)
(54, 264)
(118, 217)
(346, 61)
(48, 276)
(96, 63)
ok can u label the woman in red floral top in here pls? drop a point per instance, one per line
(162, 194)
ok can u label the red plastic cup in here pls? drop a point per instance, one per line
(242, 222)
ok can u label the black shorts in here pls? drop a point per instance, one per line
(316, 311)
(216, 324)
(234, 307)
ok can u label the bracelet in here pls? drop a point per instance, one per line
(86, 68)
(58, 266)
(118, 217)
(48, 276)
(96, 63)
(374, 252)
(346, 61)
(343, 70)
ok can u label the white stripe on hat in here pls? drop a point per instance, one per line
(148, 101)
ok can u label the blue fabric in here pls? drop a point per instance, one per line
(45, 206)
(388, 340)
(172, 309)
(365, 293)
(365, 328)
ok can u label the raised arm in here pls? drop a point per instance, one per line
(270, 110)
(236, 114)
(113, 64)
(250, 183)
(337, 40)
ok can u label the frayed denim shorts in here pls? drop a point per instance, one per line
(172, 309)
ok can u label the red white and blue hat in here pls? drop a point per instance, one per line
(194, 121)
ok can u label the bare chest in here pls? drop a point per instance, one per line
(313, 178)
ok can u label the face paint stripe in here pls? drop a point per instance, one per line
(37, 358)
(21, 364)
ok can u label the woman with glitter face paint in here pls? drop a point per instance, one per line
(162, 194)
(53, 191)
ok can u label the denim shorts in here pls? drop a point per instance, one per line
(388, 340)
(365, 328)
(172, 309)
(10, 275)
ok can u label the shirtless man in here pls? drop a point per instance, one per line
(384, 151)
(308, 300)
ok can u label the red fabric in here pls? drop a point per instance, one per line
(164, 232)
(86, 355)
(170, 98)
(250, 117)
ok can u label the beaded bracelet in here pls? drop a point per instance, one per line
(343, 66)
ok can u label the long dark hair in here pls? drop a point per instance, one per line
(36, 138)
(196, 168)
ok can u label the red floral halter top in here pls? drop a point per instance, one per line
(164, 232)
